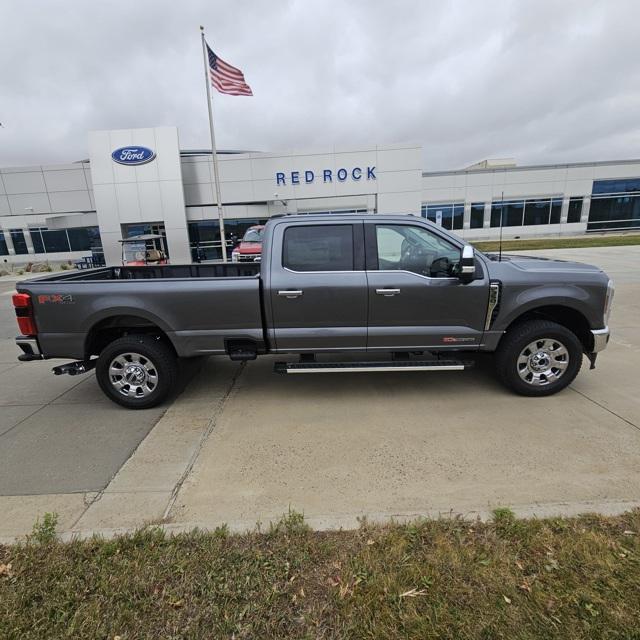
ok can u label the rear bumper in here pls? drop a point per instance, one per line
(30, 348)
(600, 339)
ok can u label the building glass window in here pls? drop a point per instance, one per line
(527, 212)
(235, 229)
(622, 212)
(556, 210)
(36, 239)
(476, 221)
(149, 228)
(4, 249)
(131, 230)
(619, 211)
(84, 238)
(511, 213)
(55, 241)
(63, 240)
(204, 240)
(448, 215)
(537, 212)
(496, 214)
(575, 210)
(318, 248)
(19, 242)
(458, 216)
(204, 236)
(621, 185)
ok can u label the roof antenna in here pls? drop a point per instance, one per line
(501, 220)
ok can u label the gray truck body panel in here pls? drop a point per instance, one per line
(201, 307)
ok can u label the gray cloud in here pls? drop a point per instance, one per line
(542, 81)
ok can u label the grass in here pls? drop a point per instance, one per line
(508, 578)
(560, 243)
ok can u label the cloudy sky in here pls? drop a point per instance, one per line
(538, 80)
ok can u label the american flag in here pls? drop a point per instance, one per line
(225, 78)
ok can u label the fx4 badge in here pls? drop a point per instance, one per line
(56, 298)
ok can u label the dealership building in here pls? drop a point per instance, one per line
(68, 211)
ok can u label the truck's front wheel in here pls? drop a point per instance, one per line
(538, 358)
(137, 371)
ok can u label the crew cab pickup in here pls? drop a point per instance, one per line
(402, 291)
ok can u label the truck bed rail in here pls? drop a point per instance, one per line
(161, 272)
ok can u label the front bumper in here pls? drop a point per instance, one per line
(600, 339)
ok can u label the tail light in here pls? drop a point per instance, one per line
(24, 314)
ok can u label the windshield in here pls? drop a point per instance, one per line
(253, 235)
(134, 251)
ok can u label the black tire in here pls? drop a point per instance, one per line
(514, 375)
(156, 368)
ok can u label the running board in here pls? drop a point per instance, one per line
(357, 367)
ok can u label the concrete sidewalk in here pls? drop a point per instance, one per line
(242, 445)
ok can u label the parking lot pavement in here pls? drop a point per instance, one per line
(58, 434)
(242, 444)
(621, 263)
(407, 444)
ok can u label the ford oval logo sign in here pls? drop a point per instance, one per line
(133, 155)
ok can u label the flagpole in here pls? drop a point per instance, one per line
(214, 155)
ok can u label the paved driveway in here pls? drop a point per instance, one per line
(349, 445)
(58, 434)
(242, 444)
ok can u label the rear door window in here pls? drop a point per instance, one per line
(318, 248)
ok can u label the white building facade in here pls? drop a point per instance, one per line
(68, 211)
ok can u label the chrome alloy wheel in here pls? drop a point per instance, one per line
(133, 375)
(543, 361)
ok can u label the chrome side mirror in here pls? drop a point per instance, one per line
(467, 262)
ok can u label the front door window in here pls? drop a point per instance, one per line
(410, 248)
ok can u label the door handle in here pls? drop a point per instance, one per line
(388, 292)
(290, 293)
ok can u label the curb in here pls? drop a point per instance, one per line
(354, 521)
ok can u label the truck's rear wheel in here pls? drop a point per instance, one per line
(137, 371)
(538, 358)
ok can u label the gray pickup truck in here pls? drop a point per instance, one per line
(386, 293)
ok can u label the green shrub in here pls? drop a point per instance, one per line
(503, 515)
(45, 532)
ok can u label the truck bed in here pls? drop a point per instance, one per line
(198, 307)
(160, 272)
